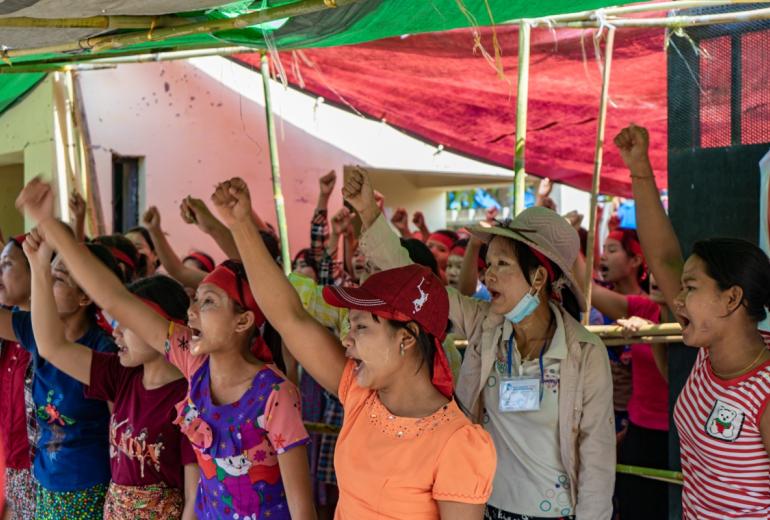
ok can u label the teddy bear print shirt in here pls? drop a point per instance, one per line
(237, 444)
(724, 462)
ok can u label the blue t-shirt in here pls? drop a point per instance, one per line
(73, 444)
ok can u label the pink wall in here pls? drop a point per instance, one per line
(193, 133)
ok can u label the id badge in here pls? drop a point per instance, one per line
(519, 394)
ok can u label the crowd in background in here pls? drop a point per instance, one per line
(137, 383)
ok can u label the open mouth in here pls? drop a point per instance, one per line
(684, 320)
(357, 364)
(196, 334)
(603, 270)
(494, 294)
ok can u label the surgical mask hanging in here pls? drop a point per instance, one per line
(526, 306)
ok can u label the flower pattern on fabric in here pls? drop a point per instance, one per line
(83, 505)
(143, 503)
(20, 493)
(50, 413)
(237, 445)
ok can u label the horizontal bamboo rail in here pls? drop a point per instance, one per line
(612, 335)
(652, 7)
(671, 22)
(94, 22)
(63, 61)
(117, 41)
(616, 331)
(112, 62)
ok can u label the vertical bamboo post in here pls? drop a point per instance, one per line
(522, 98)
(275, 168)
(90, 181)
(61, 172)
(608, 51)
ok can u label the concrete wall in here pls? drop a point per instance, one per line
(26, 137)
(199, 122)
(194, 133)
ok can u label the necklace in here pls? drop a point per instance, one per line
(743, 370)
(549, 337)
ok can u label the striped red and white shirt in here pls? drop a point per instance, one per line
(726, 467)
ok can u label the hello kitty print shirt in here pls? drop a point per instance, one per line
(724, 461)
(237, 445)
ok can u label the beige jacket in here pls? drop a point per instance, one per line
(586, 417)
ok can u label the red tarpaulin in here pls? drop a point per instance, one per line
(434, 87)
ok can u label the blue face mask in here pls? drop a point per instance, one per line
(526, 306)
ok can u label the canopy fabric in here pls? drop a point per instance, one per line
(434, 87)
(363, 21)
(14, 86)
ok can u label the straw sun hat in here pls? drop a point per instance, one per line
(549, 234)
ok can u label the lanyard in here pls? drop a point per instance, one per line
(540, 360)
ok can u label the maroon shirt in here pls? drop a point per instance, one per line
(14, 361)
(145, 447)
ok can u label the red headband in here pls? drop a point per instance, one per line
(227, 280)
(633, 245)
(546, 262)
(629, 241)
(122, 257)
(224, 278)
(159, 310)
(442, 239)
(19, 239)
(206, 263)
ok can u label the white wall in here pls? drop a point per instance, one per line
(194, 133)
(203, 121)
(26, 135)
(199, 122)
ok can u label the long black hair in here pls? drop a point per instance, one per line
(733, 262)
(118, 242)
(529, 264)
(166, 292)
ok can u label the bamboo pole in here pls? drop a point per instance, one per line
(280, 210)
(108, 63)
(664, 475)
(88, 58)
(613, 334)
(616, 331)
(598, 153)
(670, 22)
(60, 173)
(90, 180)
(116, 41)
(584, 16)
(94, 22)
(522, 98)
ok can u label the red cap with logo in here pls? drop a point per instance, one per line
(411, 293)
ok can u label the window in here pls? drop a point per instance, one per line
(127, 184)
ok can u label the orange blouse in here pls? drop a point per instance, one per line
(392, 467)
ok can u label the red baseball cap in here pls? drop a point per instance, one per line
(411, 293)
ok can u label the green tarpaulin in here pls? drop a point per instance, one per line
(13, 86)
(363, 21)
